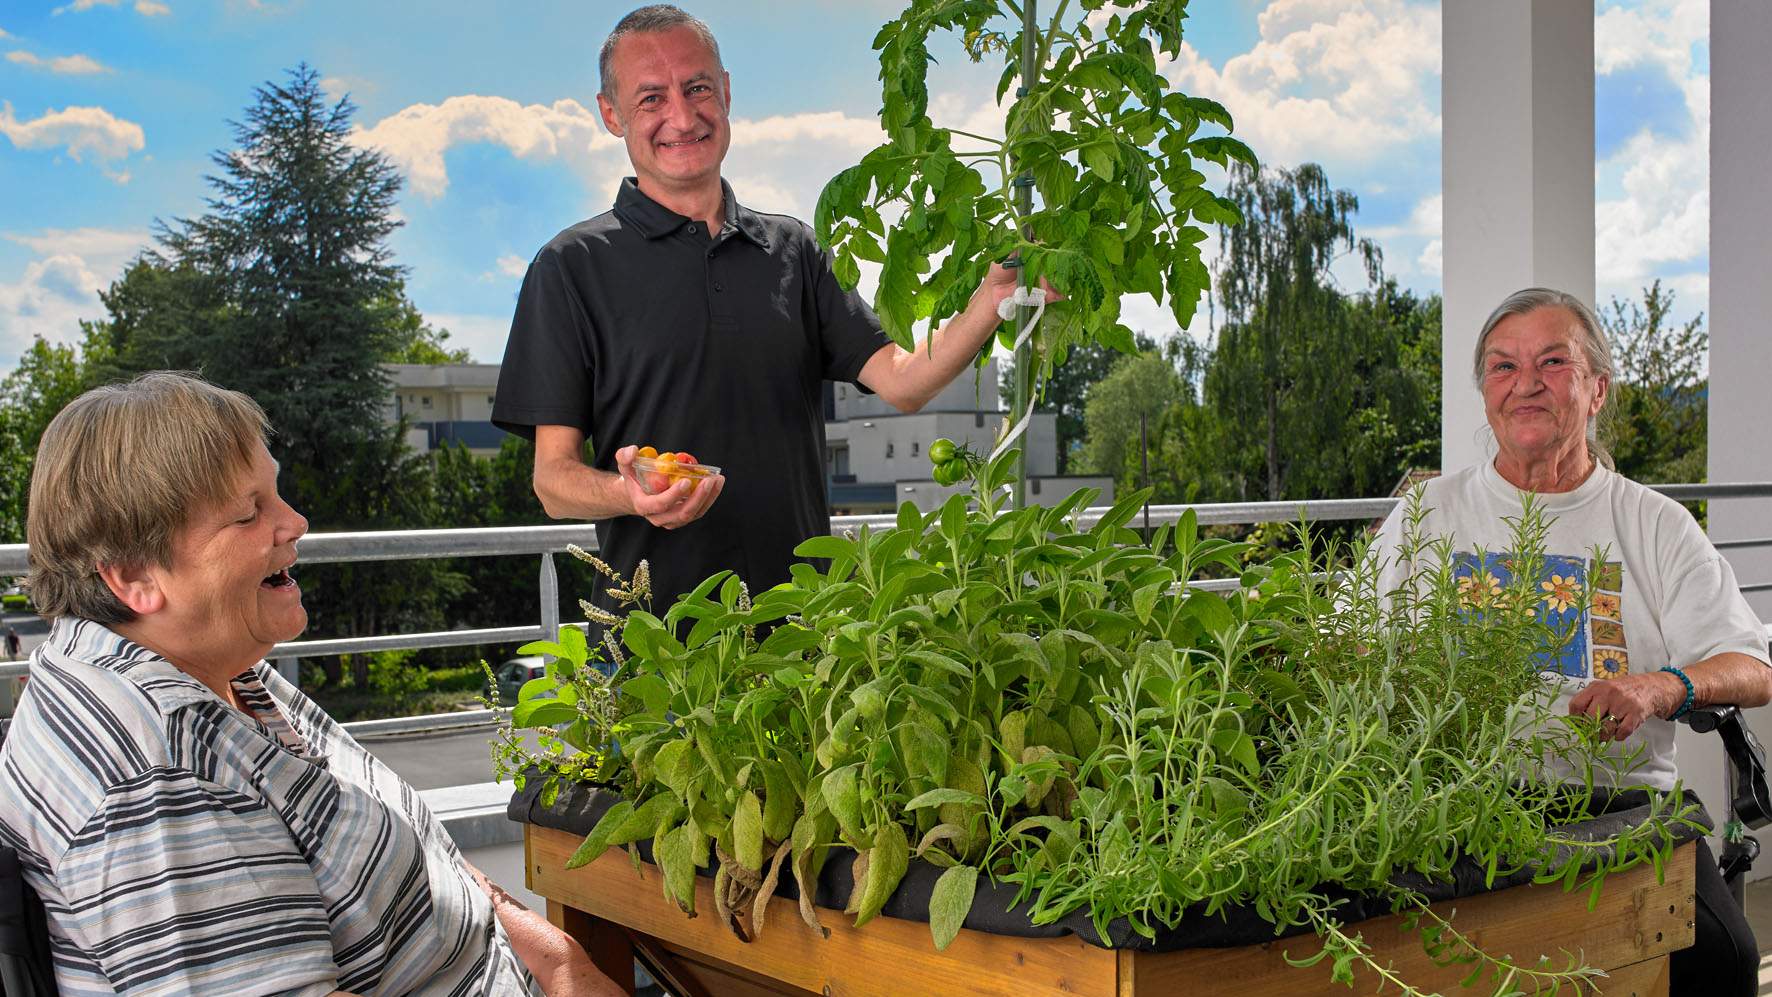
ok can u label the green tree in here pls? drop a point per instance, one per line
(1066, 392)
(418, 341)
(1658, 422)
(286, 289)
(48, 376)
(1280, 356)
(1136, 387)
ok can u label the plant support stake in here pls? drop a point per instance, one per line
(1024, 193)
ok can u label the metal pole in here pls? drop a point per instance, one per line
(1024, 197)
(1144, 464)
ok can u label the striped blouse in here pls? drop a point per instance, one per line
(181, 846)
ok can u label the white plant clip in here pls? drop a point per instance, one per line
(1028, 297)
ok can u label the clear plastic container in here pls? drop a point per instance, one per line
(655, 474)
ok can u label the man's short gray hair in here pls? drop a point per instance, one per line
(650, 18)
(1594, 347)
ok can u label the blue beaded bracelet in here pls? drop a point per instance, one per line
(1691, 694)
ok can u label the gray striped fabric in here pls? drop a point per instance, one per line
(183, 847)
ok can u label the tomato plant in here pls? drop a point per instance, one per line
(1112, 150)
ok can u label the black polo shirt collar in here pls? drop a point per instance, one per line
(653, 220)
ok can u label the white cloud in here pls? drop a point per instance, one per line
(483, 335)
(66, 65)
(1662, 220)
(780, 164)
(824, 127)
(1656, 32)
(508, 267)
(1328, 81)
(146, 8)
(80, 131)
(1664, 215)
(107, 249)
(777, 163)
(335, 87)
(60, 287)
(417, 137)
(1423, 226)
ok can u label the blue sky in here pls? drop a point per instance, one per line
(112, 108)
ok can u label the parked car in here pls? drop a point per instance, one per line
(16, 596)
(512, 674)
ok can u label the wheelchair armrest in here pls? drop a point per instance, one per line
(1749, 797)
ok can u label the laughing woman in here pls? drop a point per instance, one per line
(193, 823)
(1655, 626)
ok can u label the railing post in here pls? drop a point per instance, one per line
(550, 598)
(290, 669)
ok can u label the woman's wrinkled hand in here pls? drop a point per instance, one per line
(1623, 704)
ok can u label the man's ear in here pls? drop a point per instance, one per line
(610, 120)
(135, 586)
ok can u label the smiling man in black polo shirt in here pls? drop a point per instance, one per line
(684, 320)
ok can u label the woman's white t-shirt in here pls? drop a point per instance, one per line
(1660, 593)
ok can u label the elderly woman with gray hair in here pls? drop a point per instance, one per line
(192, 822)
(1656, 624)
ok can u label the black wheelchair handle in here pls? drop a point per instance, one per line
(1749, 797)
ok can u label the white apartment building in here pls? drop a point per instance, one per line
(445, 402)
(877, 457)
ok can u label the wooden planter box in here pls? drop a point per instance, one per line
(612, 909)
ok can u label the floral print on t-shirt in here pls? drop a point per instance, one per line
(1588, 625)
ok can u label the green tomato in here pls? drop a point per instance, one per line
(949, 473)
(942, 451)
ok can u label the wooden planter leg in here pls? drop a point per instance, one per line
(665, 967)
(606, 942)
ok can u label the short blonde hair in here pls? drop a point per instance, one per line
(119, 472)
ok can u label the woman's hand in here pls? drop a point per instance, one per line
(557, 961)
(1730, 677)
(1623, 704)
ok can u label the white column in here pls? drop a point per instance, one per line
(1517, 176)
(1740, 290)
(1740, 341)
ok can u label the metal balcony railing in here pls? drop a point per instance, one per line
(546, 541)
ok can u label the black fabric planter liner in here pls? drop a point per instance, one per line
(578, 807)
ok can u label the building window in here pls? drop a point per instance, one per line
(914, 446)
(489, 399)
(425, 400)
(888, 448)
(1035, 483)
(842, 392)
(978, 420)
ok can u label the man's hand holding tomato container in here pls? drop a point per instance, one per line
(666, 489)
